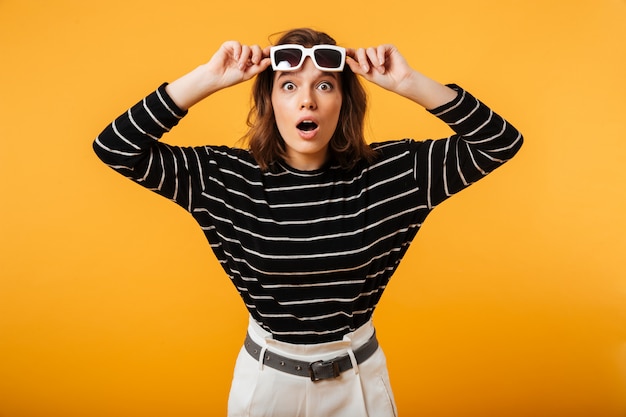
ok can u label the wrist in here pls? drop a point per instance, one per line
(192, 87)
(425, 91)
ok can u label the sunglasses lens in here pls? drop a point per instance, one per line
(328, 58)
(290, 57)
(287, 58)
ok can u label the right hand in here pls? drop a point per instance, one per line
(234, 63)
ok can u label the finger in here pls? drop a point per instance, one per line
(352, 61)
(361, 57)
(258, 68)
(256, 54)
(243, 60)
(232, 48)
(381, 54)
(354, 65)
(266, 52)
(255, 69)
(351, 53)
(372, 55)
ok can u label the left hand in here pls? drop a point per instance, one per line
(383, 65)
(386, 67)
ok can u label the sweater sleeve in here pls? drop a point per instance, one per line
(482, 141)
(130, 146)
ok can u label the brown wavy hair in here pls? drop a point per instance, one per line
(347, 145)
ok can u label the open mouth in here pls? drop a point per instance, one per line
(307, 126)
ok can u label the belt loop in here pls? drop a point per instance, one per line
(355, 364)
(262, 357)
(263, 351)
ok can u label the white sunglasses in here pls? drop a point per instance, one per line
(291, 57)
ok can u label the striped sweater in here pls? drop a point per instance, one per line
(310, 252)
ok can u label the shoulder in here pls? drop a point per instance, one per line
(396, 148)
(226, 158)
(227, 154)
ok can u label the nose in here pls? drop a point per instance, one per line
(307, 101)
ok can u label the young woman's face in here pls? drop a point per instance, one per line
(306, 106)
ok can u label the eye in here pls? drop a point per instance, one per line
(288, 86)
(325, 86)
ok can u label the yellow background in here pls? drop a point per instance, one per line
(511, 301)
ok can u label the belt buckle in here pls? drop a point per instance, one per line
(324, 370)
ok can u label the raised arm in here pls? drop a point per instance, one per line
(482, 142)
(130, 144)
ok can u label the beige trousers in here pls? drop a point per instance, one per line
(261, 391)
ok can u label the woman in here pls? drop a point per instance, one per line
(310, 222)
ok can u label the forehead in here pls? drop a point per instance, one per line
(307, 71)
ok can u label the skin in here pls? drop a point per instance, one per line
(234, 63)
(312, 95)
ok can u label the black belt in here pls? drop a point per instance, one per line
(317, 370)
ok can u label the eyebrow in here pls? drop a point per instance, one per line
(334, 75)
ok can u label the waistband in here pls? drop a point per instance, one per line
(321, 361)
(318, 351)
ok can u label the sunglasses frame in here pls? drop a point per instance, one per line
(307, 52)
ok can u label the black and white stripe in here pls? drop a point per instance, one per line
(310, 252)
